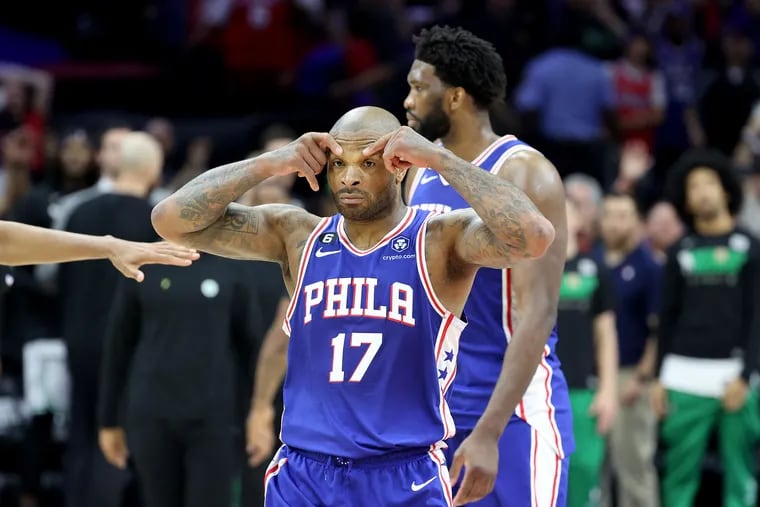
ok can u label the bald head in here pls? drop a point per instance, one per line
(366, 121)
(141, 156)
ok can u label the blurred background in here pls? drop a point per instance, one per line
(217, 80)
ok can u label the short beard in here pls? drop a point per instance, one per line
(436, 124)
(378, 208)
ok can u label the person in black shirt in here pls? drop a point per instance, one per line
(87, 291)
(588, 351)
(171, 354)
(709, 332)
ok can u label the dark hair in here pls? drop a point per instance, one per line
(638, 34)
(700, 157)
(462, 59)
(617, 194)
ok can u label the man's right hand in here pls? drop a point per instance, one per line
(632, 391)
(659, 400)
(259, 434)
(113, 443)
(306, 156)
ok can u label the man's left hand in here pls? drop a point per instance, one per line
(404, 148)
(479, 455)
(129, 256)
(735, 395)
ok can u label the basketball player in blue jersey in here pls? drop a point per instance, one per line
(509, 387)
(376, 297)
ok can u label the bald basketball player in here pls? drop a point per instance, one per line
(376, 297)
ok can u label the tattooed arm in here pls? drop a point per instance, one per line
(202, 214)
(535, 287)
(503, 226)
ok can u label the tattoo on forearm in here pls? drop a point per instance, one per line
(503, 207)
(230, 236)
(203, 200)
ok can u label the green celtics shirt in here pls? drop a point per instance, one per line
(711, 299)
(586, 292)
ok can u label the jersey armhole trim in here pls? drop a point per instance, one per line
(415, 183)
(507, 154)
(304, 261)
(427, 283)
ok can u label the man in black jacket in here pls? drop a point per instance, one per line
(87, 291)
(168, 382)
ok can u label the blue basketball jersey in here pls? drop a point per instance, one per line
(490, 312)
(372, 351)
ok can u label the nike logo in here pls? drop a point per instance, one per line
(320, 253)
(417, 487)
(428, 179)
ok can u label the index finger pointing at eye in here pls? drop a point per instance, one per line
(326, 142)
(377, 146)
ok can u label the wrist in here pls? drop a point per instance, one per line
(264, 166)
(107, 246)
(259, 405)
(606, 388)
(489, 429)
(441, 161)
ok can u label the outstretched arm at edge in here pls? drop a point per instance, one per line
(22, 245)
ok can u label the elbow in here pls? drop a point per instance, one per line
(161, 222)
(538, 323)
(540, 237)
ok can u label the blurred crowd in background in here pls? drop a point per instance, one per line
(613, 92)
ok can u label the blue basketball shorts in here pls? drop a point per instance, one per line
(531, 474)
(417, 477)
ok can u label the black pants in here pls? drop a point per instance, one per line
(90, 481)
(182, 463)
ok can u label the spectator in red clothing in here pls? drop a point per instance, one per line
(640, 91)
(24, 100)
(256, 37)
